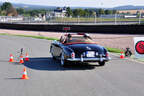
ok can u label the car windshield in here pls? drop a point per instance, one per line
(79, 39)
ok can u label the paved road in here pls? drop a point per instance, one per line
(47, 78)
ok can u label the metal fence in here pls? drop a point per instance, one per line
(103, 19)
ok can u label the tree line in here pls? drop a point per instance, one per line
(7, 9)
(69, 12)
(88, 12)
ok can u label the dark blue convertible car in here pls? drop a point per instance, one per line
(78, 48)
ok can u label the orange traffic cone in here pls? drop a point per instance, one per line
(21, 59)
(24, 76)
(11, 58)
(27, 57)
(122, 55)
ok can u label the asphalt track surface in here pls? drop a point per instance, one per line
(47, 78)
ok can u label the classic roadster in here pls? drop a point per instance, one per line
(78, 48)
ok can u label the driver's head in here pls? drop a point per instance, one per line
(69, 36)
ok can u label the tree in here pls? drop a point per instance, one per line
(101, 11)
(21, 11)
(8, 9)
(107, 12)
(114, 11)
(34, 13)
(6, 6)
(11, 12)
(86, 12)
(69, 12)
(78, 12)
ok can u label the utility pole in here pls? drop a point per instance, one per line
(115, 18)
(95, 18)
(78, 19)
(140, 17)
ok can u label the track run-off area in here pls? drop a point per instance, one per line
(119, 77)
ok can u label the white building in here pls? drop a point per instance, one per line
(10, 18)
(130, 16)
(59, 12)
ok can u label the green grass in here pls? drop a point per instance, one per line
(4, 34)
(37, 37)
(81, 19)
(114, 50)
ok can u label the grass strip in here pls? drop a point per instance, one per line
(114, 50)
(37, 37)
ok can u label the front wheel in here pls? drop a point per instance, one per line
(101, 63)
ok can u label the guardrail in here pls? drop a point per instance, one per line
(114, 29)
(72, 21)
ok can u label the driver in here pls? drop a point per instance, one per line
(69, 38)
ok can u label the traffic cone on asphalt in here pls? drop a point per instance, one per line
(11, 58)
(27, 57)
(122, 55)
(21, 59)
(24, 76)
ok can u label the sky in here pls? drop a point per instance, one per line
(81, 3)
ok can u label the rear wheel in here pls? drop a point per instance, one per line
(51, 51)
(62, 60)
(53, 56)
(101, 63)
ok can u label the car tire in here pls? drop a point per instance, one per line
(101, 63)
(52, 53)
(62, 60)
(53, 57)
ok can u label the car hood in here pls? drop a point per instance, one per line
(79, 48)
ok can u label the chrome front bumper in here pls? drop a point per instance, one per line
(89, 59)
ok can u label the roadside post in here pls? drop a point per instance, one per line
(140, 14)
(95, 18)
(115, 19)
(78, 17)
(139, 47)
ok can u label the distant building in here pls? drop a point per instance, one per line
(11, 18)
(130, 16)
(58, 12)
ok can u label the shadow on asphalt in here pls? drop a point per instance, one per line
(13, 78)
(53, 65)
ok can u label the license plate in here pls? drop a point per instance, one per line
(90, 54)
